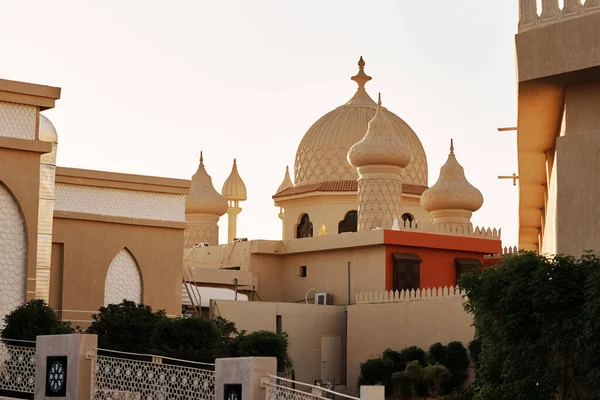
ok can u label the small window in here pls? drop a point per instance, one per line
(465, 264)
(407, 271)
(304, 228)
(302, 273)
(349, 223)
(278, 324)
(407, 220)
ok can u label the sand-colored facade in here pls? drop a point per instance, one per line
(76, 238)
(558, 127)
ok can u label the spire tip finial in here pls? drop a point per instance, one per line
(451, 146)
(234, 161)
(201, 159)
(379, 100)
(361, 78)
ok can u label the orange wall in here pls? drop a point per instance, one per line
(437, 252)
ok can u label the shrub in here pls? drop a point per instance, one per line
(189, 338)
(475, 350)
(377, 372)
(455, 358)
(403, 357)
(263, 344)
(126, 326)
(32, 319)
(416, 381)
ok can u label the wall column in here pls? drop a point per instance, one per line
(242, 377)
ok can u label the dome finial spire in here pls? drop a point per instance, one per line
(201, 159)
(451, 147)
(361, 78)
(379, 101)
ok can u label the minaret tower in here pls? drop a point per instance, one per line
(379, 158)
(452, 200)
(287, 183)
(203, 207)
(234, 190)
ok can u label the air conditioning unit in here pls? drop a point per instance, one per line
(323, 299)
(240, 239)
(201, 244)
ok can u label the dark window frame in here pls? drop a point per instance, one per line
(349, 223)
(406, 274)
(304, 229)
(463, 265)
(303, 271)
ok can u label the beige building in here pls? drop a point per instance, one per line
(558, 127)
(80, 239)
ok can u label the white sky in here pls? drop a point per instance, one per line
(147, 84)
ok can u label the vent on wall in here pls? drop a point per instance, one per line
(302, 273)
(323, 299)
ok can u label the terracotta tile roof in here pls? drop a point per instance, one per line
(339, 186)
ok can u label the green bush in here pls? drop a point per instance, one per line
(377, 372)
(189, 338)
(127, 327)
(418, 381)
(455, 358)
(475, 350)
(263, 344)
(31, 320)
(404, 356)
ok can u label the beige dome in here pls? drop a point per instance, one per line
(452, 191)
(47, 132)
(203, 198)
(321, 155)
(234, 187)
(380, 146)
(287, 181)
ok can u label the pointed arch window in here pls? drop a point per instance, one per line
(123, 280)
(408, 220)
(304, 228)
(349, 223)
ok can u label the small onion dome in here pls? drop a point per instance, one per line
(234, 188)
(47, 131)
(203, 197)
(380, 146)
(287, 181)
(452, 191)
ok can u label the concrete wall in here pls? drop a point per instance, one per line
(372, 328)
(305, 324)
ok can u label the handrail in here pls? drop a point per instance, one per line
(17, 340)
(298, 391)
(313, 386)
(157, 356)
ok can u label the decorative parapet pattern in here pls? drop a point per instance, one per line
(453, 230)
(17, 120)
(408, 295)
(551, 13)
(120, 203)
(17, 368)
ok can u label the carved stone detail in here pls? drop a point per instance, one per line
(17, 120)
(123, 280)
(379, 201)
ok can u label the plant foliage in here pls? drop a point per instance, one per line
(537, 321)
(31, 320)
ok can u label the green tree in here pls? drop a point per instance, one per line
(263, 344)
(126, 326)
(533, 315)
(406, 355)
(32, 319)
(377, 371)
(455, 358)
(189, 338)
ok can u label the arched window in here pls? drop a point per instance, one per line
(304, 228)
(349, 223)
(123, 280)
(408, 220)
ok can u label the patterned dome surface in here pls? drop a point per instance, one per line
(321, 155)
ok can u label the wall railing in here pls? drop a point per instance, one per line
(17, 366)
(551, 12)
(377, 297)
(281, 389)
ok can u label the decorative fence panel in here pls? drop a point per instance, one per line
(121, 378)
(17, 368)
